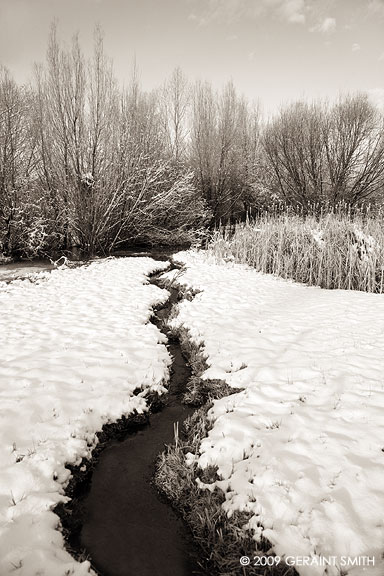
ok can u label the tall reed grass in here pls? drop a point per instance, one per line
(333, 250)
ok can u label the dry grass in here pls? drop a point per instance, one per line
(200, 391)
(334, 250)
(223, 540)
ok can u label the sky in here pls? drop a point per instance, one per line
(275, 51)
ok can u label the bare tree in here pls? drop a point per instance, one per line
(224, 149)
(175, 104)
(16, 158)
(354, 146)
(321, 154)
(293, 144)
(204, 132)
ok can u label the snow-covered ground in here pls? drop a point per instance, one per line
(74, 345)
(302, 446)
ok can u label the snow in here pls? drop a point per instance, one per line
(318, 236)
(365, 244)
(74, 345)
(301, 444)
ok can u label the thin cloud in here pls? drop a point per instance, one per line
(376, 96)
(292, 11)
(227, 10)
(356, 47)
(327, 26)
(376, 6)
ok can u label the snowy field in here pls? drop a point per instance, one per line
(74, 346)
(302, 446)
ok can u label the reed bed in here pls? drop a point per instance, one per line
(333, 250)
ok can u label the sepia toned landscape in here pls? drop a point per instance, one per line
(191, 288)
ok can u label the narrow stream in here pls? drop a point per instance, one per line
(127, 529)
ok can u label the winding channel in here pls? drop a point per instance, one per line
(125, 527)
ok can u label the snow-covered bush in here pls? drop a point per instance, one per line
(28, 228)
(165, 209)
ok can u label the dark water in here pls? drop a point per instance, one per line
(156, 254)
(21, 270)
(128, 529)
(26, 268)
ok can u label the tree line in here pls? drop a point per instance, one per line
(86, 163)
